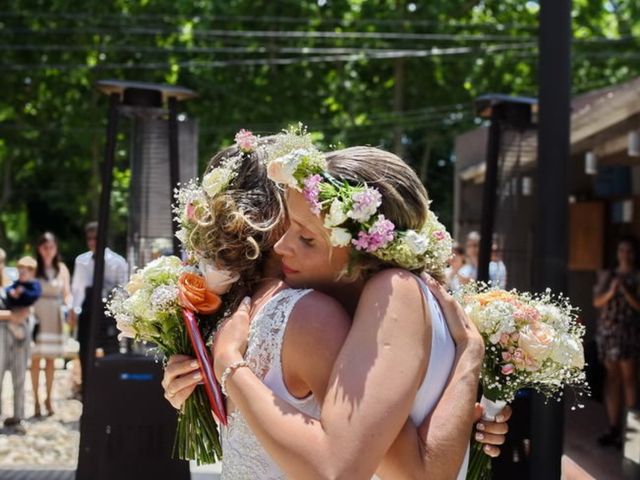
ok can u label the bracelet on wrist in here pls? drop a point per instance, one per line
(227, 372)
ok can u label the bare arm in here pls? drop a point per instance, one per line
(370, 394)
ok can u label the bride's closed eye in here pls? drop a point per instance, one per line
(306, 241)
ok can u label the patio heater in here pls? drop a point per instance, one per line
(504, 112)
(127, 427)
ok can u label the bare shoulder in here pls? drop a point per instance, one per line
(317, 317)
(394, 284)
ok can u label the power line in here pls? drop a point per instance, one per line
(270, 19)
(276, 34)
(393, 54)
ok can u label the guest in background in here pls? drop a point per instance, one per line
(469, 271)
(49, 338)
(497, 268)
(617, 295)
(456, 262)
(4, 278)
(24, 292)
(14, 353)
(116, 272)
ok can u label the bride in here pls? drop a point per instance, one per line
(395, 363)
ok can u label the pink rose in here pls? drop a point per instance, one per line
(439, 235)
(506, 356)
(504, 339)
(190, 211)
(536, 340)
(508, 369)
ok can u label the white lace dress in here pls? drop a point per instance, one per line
(244, 458)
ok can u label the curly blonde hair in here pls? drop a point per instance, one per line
(243, 222)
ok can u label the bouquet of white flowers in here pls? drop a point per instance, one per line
(532, 341)
(167, 303)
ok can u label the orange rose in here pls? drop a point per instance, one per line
(195, 296)
(493, 296)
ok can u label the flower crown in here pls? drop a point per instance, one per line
(351, 212)
(193, 203)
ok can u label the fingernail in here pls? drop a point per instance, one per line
(500, 418)
(480, 426)
(193, 364)
(197, 376)
(246, 301)
(479, 436)
(487, 449)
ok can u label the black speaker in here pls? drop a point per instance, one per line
(128, 427)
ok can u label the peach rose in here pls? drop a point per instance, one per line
(536, 340)
(493, 296)
(193, 294)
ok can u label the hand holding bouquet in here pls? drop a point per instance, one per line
(168, 303)
(532, 341)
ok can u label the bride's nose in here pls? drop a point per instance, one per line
(283, 246)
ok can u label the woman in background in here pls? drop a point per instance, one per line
(617, 295)
(49, 339)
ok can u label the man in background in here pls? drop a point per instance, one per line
(116, 272)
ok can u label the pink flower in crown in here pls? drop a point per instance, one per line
(365, 204)
(311, 192)
(190, 211)
(246, 140)
(439, 235)
(379, 236)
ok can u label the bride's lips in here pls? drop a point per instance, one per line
(287, 270)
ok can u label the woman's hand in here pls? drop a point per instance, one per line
(492, 434)
(230, 342)
(181, 375)
(462, 329)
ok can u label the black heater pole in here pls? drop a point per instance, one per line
(96, 312)
(174, 162)
(489, 194)
(96, 306)
(552, 206)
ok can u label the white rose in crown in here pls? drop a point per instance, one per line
(218, 281)
(282, 169)
(337, 215)
(417, 243)
(216, 180)
(340, 237)
(537, 341)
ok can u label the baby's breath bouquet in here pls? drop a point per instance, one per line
(167, 303)
(532, 341)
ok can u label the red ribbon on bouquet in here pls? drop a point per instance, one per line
(206, 367)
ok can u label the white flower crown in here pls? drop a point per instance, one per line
(352, 212)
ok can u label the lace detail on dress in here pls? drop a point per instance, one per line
(244, 458)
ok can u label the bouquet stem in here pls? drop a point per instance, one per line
(480, 463)
(197, 434)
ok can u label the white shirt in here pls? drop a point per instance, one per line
(116, 272)
(498, 274)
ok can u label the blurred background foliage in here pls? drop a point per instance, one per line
(397, 74)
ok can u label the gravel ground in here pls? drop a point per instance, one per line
(51, 441)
